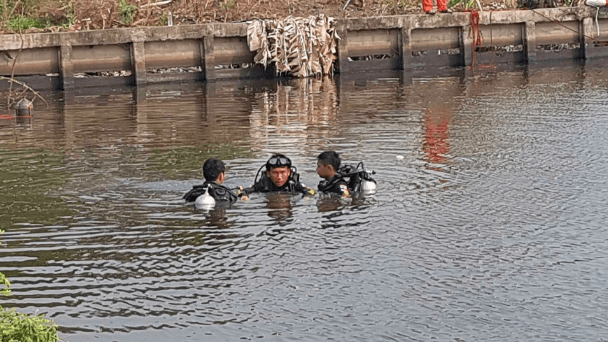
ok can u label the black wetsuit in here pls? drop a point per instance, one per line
(335, 185)
(266, 185)
(219, 192)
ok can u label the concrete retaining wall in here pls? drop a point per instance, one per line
(219, 51)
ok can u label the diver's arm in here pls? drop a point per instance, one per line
(306, 190)
(243, 193)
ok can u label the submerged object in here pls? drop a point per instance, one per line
(24, 107)
(205, 201)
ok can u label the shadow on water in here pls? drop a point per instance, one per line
(488, 220)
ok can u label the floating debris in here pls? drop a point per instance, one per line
(302, 47)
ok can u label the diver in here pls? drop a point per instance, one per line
(279, 176)
(342, 180)
(214, 171)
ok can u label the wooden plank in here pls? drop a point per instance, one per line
(173, 53)
(31, 62)
(98, 58)
(378, 42)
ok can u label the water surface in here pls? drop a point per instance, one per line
(488, 223)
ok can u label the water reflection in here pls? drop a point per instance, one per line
(436, 137)
(495, 209)
(279, 206)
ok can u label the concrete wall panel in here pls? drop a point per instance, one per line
(436, 38)
(502, 35)
(173, 53)
(96, 58)
(31, 61)
(232, 50)
(373, 42)
(557, 33)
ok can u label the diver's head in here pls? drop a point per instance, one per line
(214, 170)
(328, 164)
(278, 169)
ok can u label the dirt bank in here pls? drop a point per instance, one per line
(71, 15)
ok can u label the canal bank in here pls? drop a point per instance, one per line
(209, 52)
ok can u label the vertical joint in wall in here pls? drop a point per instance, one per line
(466, 45)
(66, 66)
(208, 58)
(138, 62)
(343, 66)
(530, 41)
(587, 33)
(405, 46)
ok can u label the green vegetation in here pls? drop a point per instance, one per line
(6, 289)
(228, 4)
(127, 12)
(23, 15)
(18, 327)
(23, 23)
(467, 3)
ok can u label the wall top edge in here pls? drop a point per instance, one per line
(198, 31)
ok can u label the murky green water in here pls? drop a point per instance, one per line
(489, 222)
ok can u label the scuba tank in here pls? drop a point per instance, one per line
(358, 178)
(205, 201)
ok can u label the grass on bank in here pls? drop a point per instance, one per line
(19, 327)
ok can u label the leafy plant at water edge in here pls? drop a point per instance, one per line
(18, 327)
(127, 12)
(6, 290)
